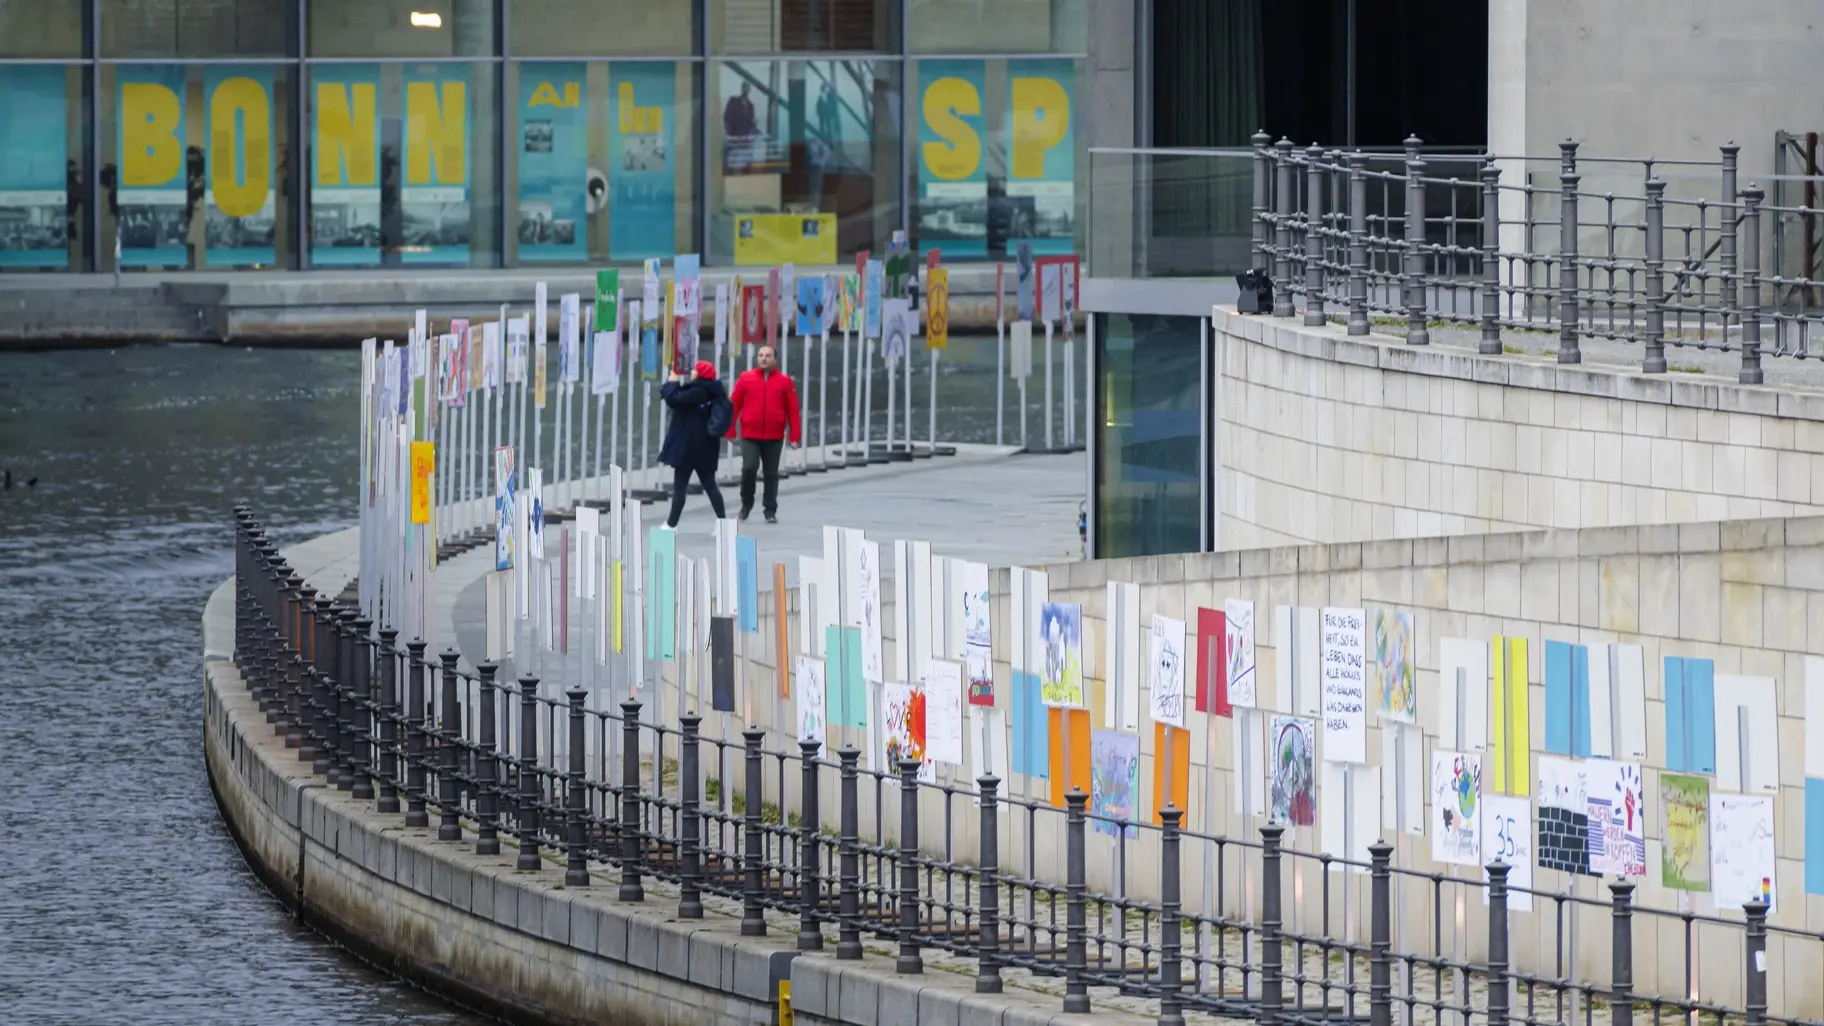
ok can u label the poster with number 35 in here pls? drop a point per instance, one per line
(1507, 834)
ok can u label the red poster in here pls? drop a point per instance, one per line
(753, 314)
(861, 265)
(1212, 663)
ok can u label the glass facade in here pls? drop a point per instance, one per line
(1149, 465)
(302, 134)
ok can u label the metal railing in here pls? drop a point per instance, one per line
(764, 828)
(1345, 239)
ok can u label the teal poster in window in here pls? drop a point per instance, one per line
(952, 158)
(553, 163)
(1041, 155)
(642, 173)
(34, 168)
(434, 190)
(238, 204)
(345, 165)
(154, 222)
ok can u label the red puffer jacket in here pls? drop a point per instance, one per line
(766, 404)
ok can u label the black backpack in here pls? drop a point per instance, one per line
(718, 416)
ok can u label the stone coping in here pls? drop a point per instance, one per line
(1332, 342)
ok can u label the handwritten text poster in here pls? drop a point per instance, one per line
(1344, 647)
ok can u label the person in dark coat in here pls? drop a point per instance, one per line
(689, 447)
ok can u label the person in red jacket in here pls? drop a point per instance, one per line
(766, 412)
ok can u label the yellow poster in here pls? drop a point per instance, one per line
(763, 239)
(614, 604)
(424, 462)
(538, 375)
(937, 315)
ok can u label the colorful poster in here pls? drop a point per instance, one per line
(435, 162)
(1211, 695)
(642, 175)
(753, 315)
(238, 199)
(1171, 770)
(813, 722)
(1344, 658)
(504, 496)
(937, 308)
(34, 169)
(809, 321)
(1238, 649)
(424, 463)
(900, 277)
(1507, 834)
(943, 688)
(1741, 850)
(554, 163)
(608, 300)
(832, 299)
(1456, 793)
(1564, 815)
(978, 648)
(1114, 782)
(569, 338)
(874, 296)
(1684, 851)
(1293, 748)
(1061, 632)
(952, 156)
(1023, 269)
(903, 733)
(1166, 677)
(1041, 154)
(848, 315)
(154, 222)
(1618, 840)
(345, 157)
(1395, 696)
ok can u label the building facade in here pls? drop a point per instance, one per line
(333, 134)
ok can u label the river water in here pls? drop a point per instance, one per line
(122, 896)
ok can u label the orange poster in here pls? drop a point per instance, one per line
(423, 463)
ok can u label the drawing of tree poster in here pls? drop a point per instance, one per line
(1456, 794)
(1684, 856)
(1294, 778)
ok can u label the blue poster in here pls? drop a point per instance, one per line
(434, 196)
(642, 173)
(34, 150)
(553, 163)
(810, 306)
(1041, 155)
(154, 222)
(747, 571)
(238, 202)
(874, 284)
(345, 165)
(952, 158)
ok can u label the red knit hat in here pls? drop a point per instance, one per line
(706, 370)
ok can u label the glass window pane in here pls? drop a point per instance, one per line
(43, 137)
(194, 164)
(602, 162)
(402, 165)
(197, 28)
(402, 28)
(803, 26)
(996, 156)
(601, 28)
(804, 160)
(1150, 414)
(997, 26)
(41, 28)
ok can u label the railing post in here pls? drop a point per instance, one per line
(576, 832)
(487, 772)
(1263, 200)
(633, 841)
(753, 914)
(415, 816)
(1358, 245)
(349, 736)
(1417, 334)
(1655, 362)
(810, 890)
(1282, 229)
(1755, 977)
(848, 908)
(1271, 953)
(1314, 237)
(449, 823)
(323, 762)
(910, 960)
(988, 965)
(296, 731)
(387, 704)
(1076, 954)
(362, 702)
(1498, 1008)
(1621, 971)
(1751, 284)
(1490, 343)
(1171, 924)
(1380, 935)
(690, 892)
(1726, 251)
(529, 784)
(1569, 349)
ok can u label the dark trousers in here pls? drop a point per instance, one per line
(680, 487)
(763, 456)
